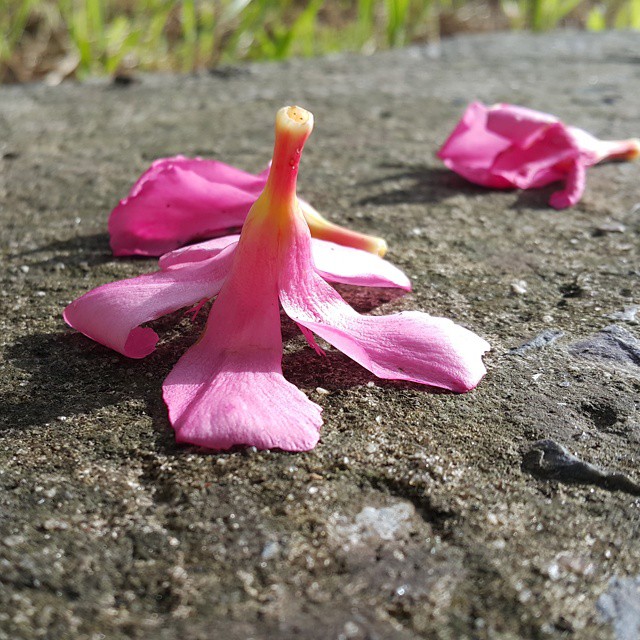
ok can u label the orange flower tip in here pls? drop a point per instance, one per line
(634, 149)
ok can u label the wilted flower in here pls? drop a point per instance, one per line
(505, 146)
(228, 388)
(181, 200)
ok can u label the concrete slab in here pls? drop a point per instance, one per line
(414, 517)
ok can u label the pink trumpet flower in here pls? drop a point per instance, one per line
(505, 146)
(181, 200)
(228, 389)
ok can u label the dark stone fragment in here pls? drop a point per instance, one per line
(541, 340)
(612, 343)
(548, 459)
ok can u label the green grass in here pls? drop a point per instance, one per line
(85, 37)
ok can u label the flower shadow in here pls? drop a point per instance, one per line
(62, 374)
(536, 199)
(418, 184)
(77, 251)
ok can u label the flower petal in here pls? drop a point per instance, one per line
(196, 252)
(519, 125)
(540, 164)
(471, 148)
(574, 187)
(406, 346)
(228, 389)
(337, 263)
(179, 200)
(219, 399)
(112, 314)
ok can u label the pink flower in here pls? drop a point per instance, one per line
(181, 200)
(505, 146)
(228, 388)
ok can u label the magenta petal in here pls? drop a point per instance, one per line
(406, 346)
(228, 389)
(179, 200)
(218, 172)
(338, 263)
(519, 125)
(574, 187)
(471, 148)
(219, 399)
(112, 314)
(539, 164)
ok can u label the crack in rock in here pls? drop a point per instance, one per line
(541, 340)
(550, 460)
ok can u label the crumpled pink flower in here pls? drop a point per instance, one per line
(505, 146)
(181, 200)
(228, 389)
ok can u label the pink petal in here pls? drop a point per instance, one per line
(519, 125)
(112, 314)
(545, 161)
(406, 346)
(574, 187)
(196, 252)
(337, 263)
(471, 148)
(179, 200)
(228, 389)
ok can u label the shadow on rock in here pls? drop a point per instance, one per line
(69, 374)
(536, 199)
(335, 371)
(77, 251)
(419, 184)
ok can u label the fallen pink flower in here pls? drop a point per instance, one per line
(505, 146)
(181, 200)
(228, 388)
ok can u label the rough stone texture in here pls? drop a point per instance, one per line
(414, 517)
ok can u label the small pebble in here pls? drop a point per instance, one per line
(610, 227)
(628, 314)
(52, 524)
(519, 287)
(24, 268)
(553, 571)
(12, 541)
(270, 550)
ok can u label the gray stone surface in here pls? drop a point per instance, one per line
(413, 518)
(620, 604)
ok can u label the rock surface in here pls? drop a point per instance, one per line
(414, 517)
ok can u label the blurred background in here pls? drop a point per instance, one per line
(46, 40)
